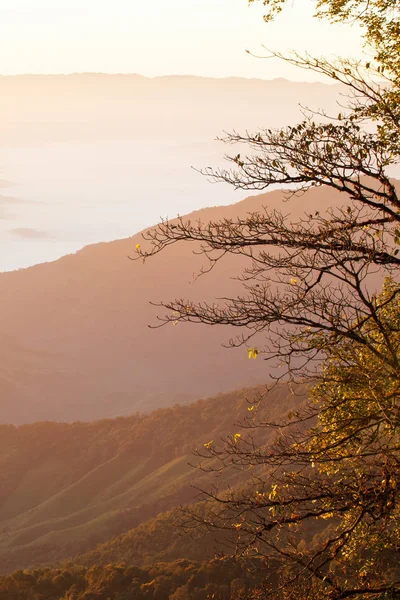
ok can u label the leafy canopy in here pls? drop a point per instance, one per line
(321, 509)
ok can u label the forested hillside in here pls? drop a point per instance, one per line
(66, 487)
(180, 580)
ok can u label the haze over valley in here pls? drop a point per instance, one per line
(89, 158)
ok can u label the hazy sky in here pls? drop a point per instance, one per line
(160, 37)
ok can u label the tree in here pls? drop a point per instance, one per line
(321, 510)
(323, 500)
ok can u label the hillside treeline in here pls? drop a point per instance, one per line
(66, 487)
(181, 580)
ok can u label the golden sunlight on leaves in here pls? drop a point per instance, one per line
(273, 492)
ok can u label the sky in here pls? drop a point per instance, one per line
(162, 37)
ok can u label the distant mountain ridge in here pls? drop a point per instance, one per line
(81, 324)
(37, 109)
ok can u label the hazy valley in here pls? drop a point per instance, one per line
(90, 157)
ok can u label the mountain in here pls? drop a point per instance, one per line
(74, 335)
(65, 487)
(39, 109)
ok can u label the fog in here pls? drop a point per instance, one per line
(89, 158)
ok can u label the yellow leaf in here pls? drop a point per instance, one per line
(273, 492)
(327, 515)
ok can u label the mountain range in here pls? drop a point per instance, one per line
(37, 109)
(75, 340)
